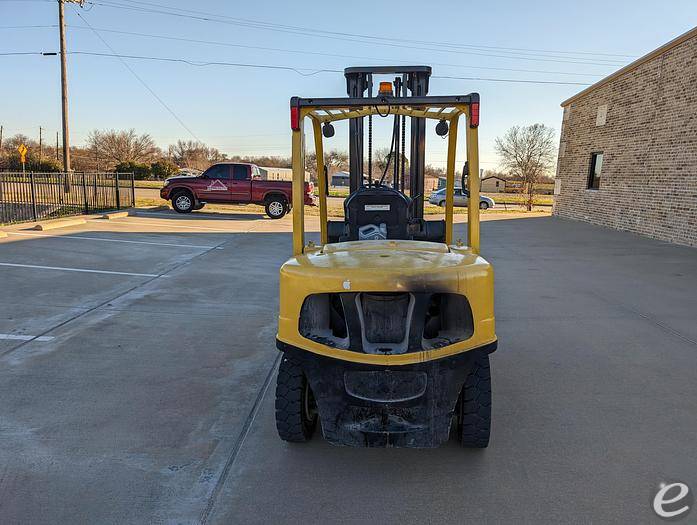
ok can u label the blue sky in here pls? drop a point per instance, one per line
(245, 110)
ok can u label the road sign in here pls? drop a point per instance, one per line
(22, 152)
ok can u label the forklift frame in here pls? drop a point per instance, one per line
(325, 110)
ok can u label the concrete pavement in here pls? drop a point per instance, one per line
(152, 398)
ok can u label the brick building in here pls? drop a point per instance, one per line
(628, 147)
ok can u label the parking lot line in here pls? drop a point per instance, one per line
(17, 337)
(159, 224)
(84, 270)
(199, 246)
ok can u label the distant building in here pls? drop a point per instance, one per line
(340, 179)
(279, 174)
(458, 181)
(492, 184)
(628, 147)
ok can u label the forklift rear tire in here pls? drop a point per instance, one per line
(296, 411)
(475, 405)
(276, 207)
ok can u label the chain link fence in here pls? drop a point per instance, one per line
(35, 196)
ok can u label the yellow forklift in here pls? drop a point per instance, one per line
(386, 325)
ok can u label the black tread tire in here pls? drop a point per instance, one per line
(199, 206)
(441, 204)
(292, 421)
(188, 194)
(475, 405)
(483, 205)
(276, 199)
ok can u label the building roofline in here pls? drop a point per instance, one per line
(494, 177)
(633, 65)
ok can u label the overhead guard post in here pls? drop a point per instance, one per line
(473, 186)
(450, 179)
(298, 186)
(321, 180)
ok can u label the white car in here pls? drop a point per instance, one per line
(460, 199)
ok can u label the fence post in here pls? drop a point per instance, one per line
(116, 184)
(133, 190)
(33, 194)
(84, 193)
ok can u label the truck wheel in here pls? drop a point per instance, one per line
(276, 207)
(475, 406)
(183, 202)
(296, 411)
(483, 205)
(441, 204)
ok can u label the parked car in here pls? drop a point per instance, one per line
(232, 183)
(460, 199)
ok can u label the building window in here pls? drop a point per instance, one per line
(595, 169)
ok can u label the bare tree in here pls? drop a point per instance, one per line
(194, 154)
(333, 159)
(527, 153)
(384, 159)
(122, 146)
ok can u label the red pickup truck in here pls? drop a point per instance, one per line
(232, 183)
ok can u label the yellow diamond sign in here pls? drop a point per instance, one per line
(22, 152)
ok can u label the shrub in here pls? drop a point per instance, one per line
(140, 171)
(162, 169)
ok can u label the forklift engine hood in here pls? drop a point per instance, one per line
(387, 265)
(358, 272)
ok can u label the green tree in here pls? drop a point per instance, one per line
(140, 171)
(162, 169)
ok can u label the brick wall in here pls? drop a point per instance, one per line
(649, 143)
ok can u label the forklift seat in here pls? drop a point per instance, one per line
(377, 205)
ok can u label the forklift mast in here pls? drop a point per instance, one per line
(410, 81)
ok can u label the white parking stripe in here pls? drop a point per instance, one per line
(85, 270)
(16, 337)
(171, 223)
(201, 247)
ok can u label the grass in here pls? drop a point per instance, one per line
(148, 183)
(516, 198)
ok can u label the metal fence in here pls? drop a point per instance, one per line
(34, 196)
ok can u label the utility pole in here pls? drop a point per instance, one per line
(41, 144)
(64, 88)
(57, 157)
(1, 127)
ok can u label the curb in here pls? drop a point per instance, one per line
(116, 215)
(152, 208)
(60, 223)
(3, 234)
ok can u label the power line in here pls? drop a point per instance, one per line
(298, 70)
(372, 37)
(511, 80)
(145, 85)
(30, 27)
(307, 33)
(333, 55)
(13, 53)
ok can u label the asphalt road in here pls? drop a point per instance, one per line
(149, 397)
